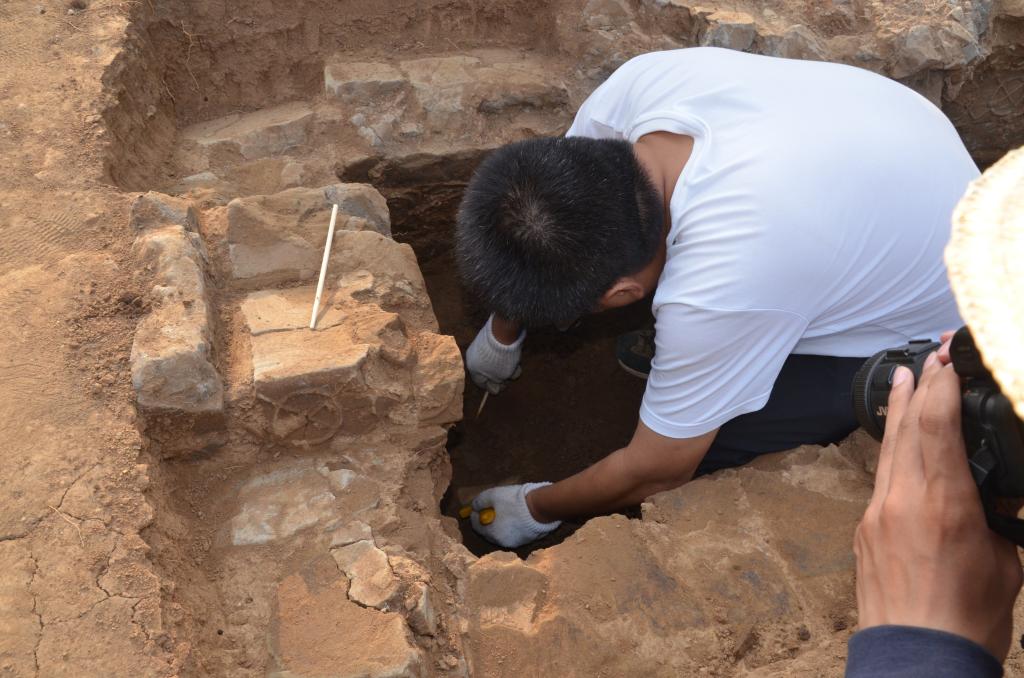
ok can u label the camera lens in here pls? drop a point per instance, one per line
(873, 382)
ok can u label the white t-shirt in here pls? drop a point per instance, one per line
(810, 218)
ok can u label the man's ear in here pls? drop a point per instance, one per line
(623, 292)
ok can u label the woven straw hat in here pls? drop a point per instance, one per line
(985, 259)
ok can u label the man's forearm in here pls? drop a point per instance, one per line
(598, 489)
(624, 478)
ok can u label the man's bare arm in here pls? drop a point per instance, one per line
(649, 464)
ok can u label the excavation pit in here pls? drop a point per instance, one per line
(572, 405)
(313, 524)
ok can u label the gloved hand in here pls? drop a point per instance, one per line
(492, 364)
(513, 524)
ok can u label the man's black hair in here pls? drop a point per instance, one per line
(547, 225)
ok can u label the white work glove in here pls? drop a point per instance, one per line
(513, 524)
(492, 364)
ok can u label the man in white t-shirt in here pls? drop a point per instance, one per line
(789, 217)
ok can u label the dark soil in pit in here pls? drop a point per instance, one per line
(572, 406)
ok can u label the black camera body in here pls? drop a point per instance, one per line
(993, 434)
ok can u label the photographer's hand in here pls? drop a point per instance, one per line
(925, 556)
(946, 339)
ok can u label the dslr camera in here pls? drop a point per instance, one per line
(993, 433)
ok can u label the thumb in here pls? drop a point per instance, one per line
(482, 501)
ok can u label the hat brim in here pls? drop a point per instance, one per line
(985, 257)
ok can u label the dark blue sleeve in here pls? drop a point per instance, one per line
(912, 652)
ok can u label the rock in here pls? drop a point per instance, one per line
(177, 260)
(177, 387)
(798, 42)
(439, 72)
(279, 504)
(446, 104)
(291, 174)
(365, 268)
(438, 379)
(509, 86)
(172, 369)
(271, 312)
(345, 376)
(420, 611)
(280, 238)
(988, 107)
(265, 133)
(405, 568)
(362, 83)
(200, 179)
(364, 364)
(448, 88)
(171, 364)
(350, 534)
(720, 570)
(505, 594)
(371, 581)
(929, 46)
(317, 631)
(606, 14)
(316, 384)
(156, 210)
(732, 30)
(440, 85)
(378, 132)
(1009, 8)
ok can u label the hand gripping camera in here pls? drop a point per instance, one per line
(993, 434)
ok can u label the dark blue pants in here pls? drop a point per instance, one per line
(811, 403)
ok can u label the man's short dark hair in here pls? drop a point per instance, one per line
(546, 226)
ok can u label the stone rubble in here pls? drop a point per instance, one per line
(249, 136)
(279, 238)
(420, 611)
(156, 210)
(281, 503)
(350, 533)
(359, 83)
(176, 384)
(441, 94)
(371, 581)
(374, 357)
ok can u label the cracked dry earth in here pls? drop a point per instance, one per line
(194, 484)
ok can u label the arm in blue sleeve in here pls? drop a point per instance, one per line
(913, 652)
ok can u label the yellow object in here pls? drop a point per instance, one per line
(487, 516)
(465, 511)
